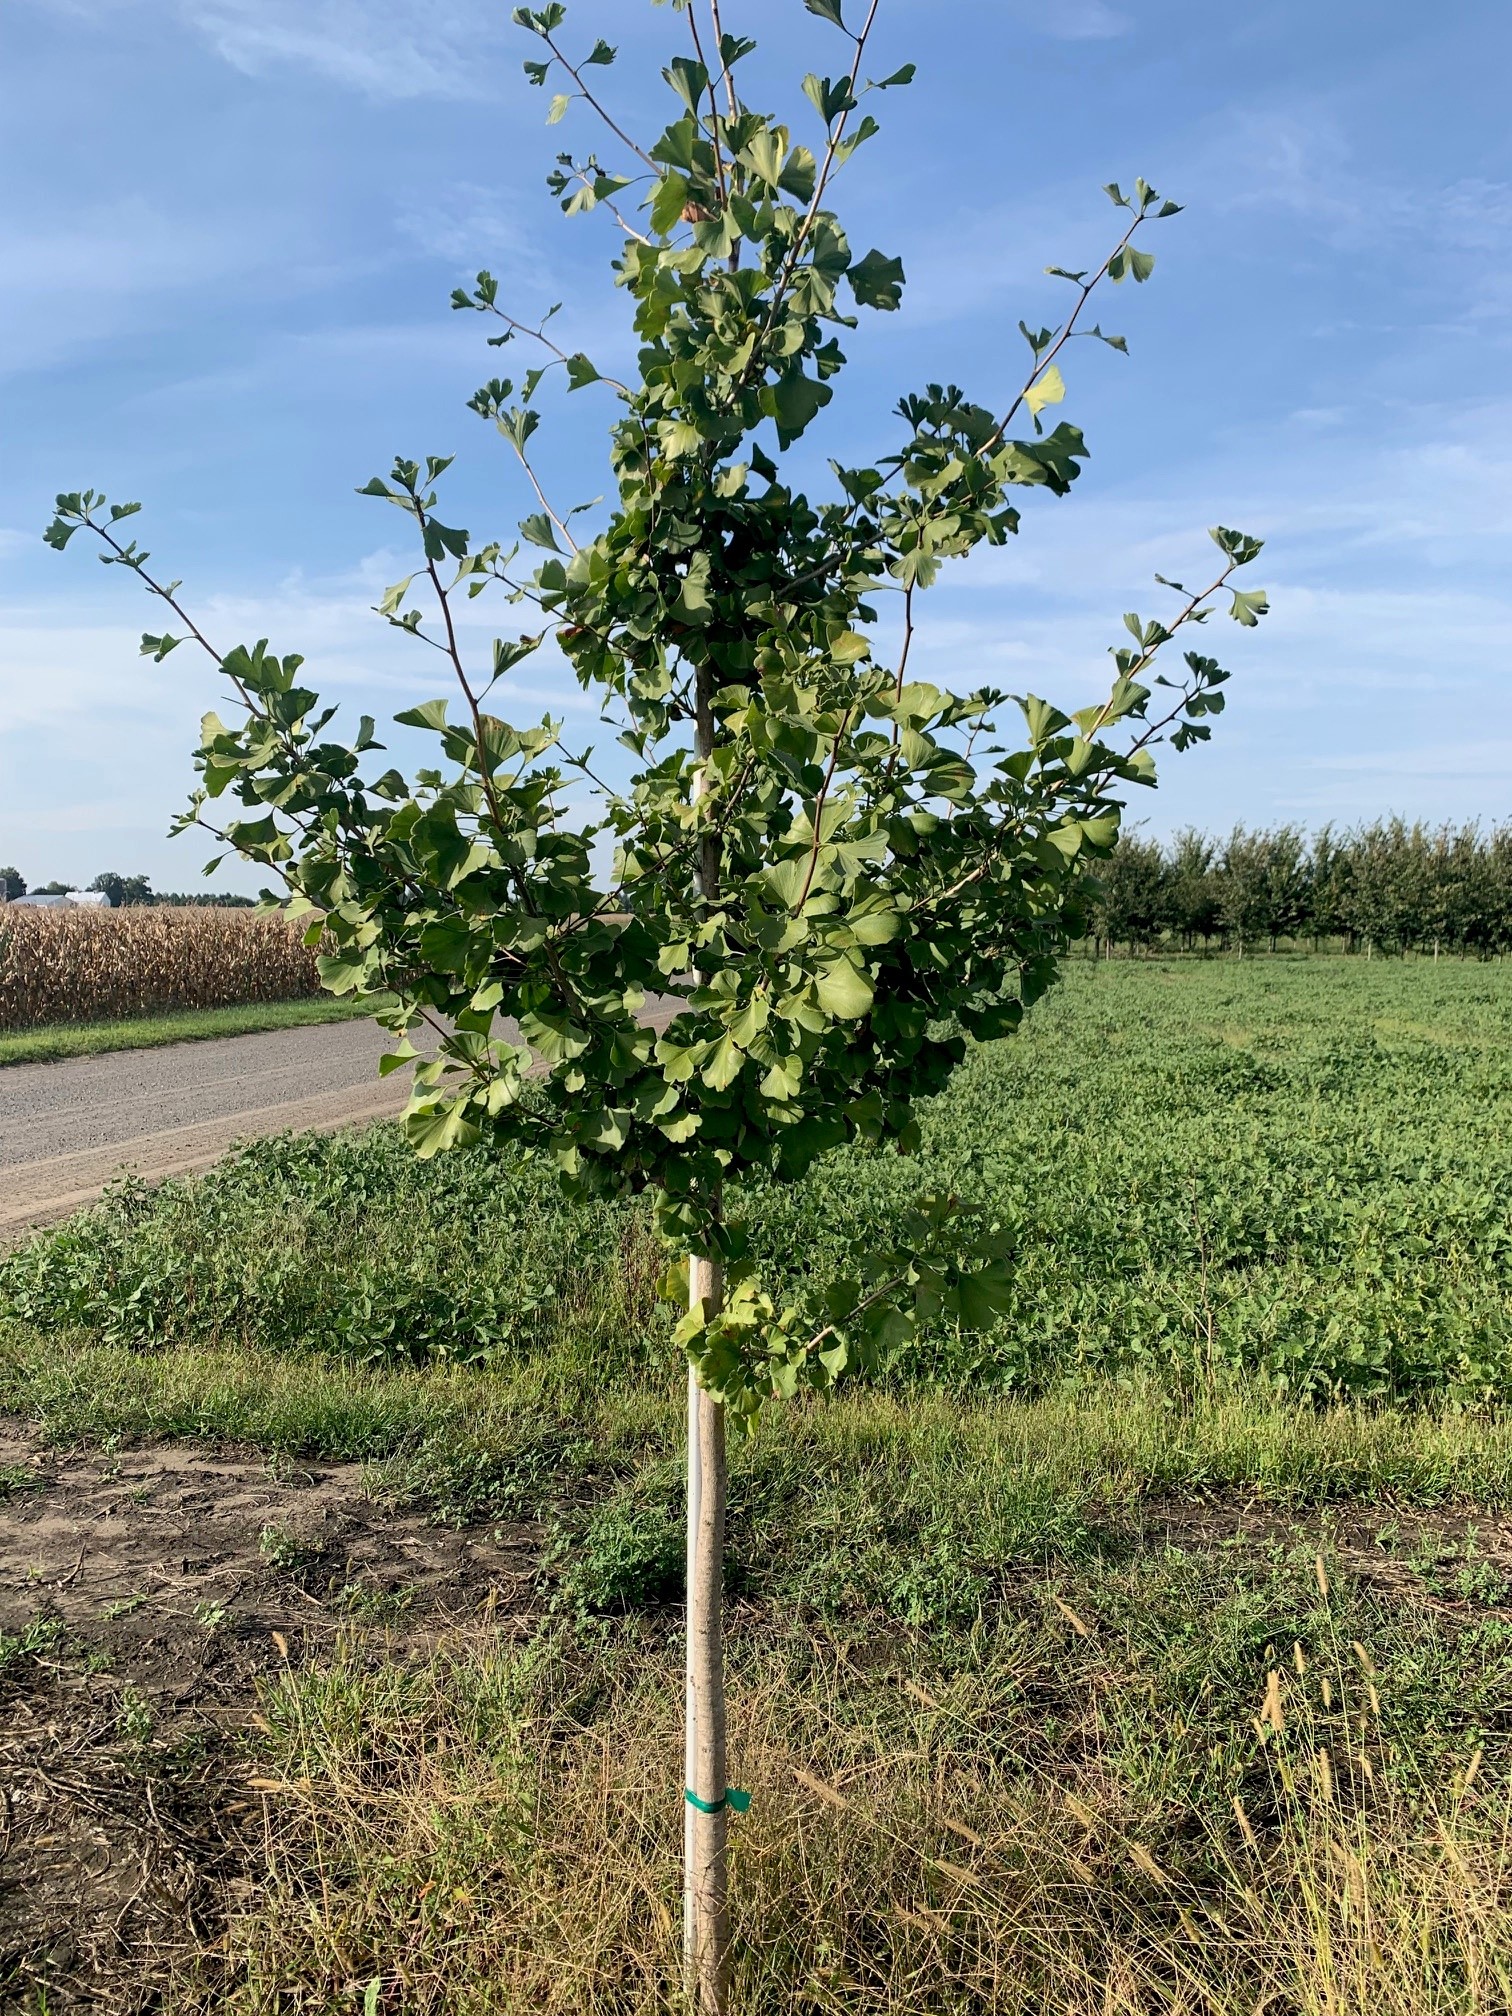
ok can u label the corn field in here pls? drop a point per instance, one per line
(101, 965)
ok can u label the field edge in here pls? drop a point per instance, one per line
(57, 1041)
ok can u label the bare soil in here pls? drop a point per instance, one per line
(143, 1594)
(1454, 1559)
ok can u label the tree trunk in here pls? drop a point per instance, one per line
(706, 1917)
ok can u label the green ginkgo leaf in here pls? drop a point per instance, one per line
(844, 990)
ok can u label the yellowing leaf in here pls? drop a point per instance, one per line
(1047, 390)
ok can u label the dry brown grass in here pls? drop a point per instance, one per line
(498, 1832)
(95, 965)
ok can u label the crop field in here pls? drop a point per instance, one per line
(1151, 1653)
(77, 966)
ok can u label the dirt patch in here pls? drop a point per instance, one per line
(143, 1593)
(1451, 1559)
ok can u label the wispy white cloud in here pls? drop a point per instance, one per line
(74, 696)
(466, 224)
(353, 351)
(1296, 159)
(1374, 685)
(387, 49)
(1301, 158)
(75, 282)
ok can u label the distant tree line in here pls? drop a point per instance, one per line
(126, 892)
(1386, 887)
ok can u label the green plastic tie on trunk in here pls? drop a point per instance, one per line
(737, 1801)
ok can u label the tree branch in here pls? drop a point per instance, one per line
(1042, 364)
(808, 880)
(719, 170)
(728, 80)
(518, 328)
(614, 127)
(153, 587)
(560, 523)
(837, 134)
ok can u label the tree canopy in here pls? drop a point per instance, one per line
(844, 874)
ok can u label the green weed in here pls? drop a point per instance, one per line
(16, 1647)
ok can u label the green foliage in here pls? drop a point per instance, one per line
(843, 872)
(39, 1636)
(345, 1244)
(627, 1552)
(1298, 1170)
(123, 890)
(1386, 884)
(130, 891)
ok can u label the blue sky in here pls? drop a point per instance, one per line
(231, 228)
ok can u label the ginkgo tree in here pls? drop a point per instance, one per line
(834, 876)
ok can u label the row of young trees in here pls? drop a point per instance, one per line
(1387, 886)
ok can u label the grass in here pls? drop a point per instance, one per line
(1149, 1657)
(1038, 1820)
(997, 1669)
(89, 1039)
(517, 1441)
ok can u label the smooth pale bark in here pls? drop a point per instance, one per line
(706, 1912)
(706, 1917)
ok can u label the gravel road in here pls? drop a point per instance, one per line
(67, 1128)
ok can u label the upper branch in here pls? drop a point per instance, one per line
(613, 124)
(1043, 362)
(725, 76)
(714, 128)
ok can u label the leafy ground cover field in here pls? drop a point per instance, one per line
(149, 1032)
(1151, 1654)
(1303, 1168)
